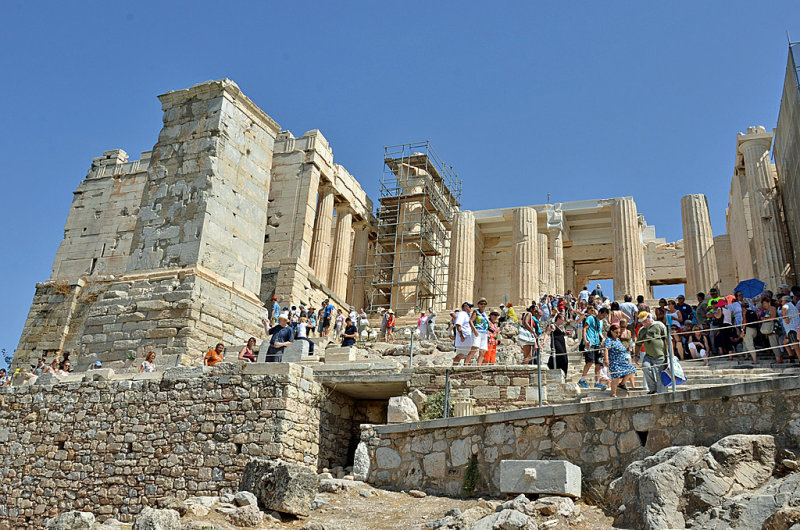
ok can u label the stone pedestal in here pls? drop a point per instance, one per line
(342, 252)
(629, 269)
(544, 266)
(772, 264)
(698, 242)
(321, 247)
(461, 271)
(524, 280)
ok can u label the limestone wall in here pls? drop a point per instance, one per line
(601, 437)
(665, 263)
(113, 447)
(493, 388)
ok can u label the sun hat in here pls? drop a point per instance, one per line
(642, 316)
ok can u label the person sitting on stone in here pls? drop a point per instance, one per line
(96, 365)
(214, 356)
(149, 363)
(65, 368)
(280, 339)
(52, 367)
(5, 379)
(247, 354)
(350, 333)
(303, 327)
(510, 313)
(40, 367)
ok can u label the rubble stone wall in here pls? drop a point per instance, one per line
(117, 446)
(601, 437)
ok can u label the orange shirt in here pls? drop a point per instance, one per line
(212, 357)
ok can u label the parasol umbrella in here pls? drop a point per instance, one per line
(751, 288)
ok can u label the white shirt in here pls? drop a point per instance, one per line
(462, 320)
(629, 308)
(584, 295)
(793, 315)
(301, 330)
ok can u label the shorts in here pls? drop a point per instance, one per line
(326, 322)
(466, 343)
(463, 350)
(593, 356)
(480, 341)
(791, 336)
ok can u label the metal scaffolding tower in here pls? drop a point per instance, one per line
(419, 195)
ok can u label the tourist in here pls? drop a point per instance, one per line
(327, 313)
(480, 327)
(301, 333)
(769, 315)
(723, 323)
(677, 339)
(630, 310)
(384, 320)
(363, 322)
(462, 328)
(749, 330)
(149, 363)
(66, 367)
(490, 357)
(790, 323)
(312, 322)
(545, 308)
(737, 307)
(615, 314)
(281, 338)
(502, 313)
(390, 324)
(247, 354)
(598, 292)
(96, 365)
(338, 324)
(510, 313)
(353, 315)
(5, 379)
(584, 294)
(52, 367)
(350, 333)
(674, 313)
(685, 309)
(700, 312)
(214, 356)
(558, 355)
(528, 336)
(615, 359)
(276, 310)
(431, 325)
(592, 340)
(40, 367)
(697, 344)
(422, 325)
(661, 311)
(653, 337)
(294, 318)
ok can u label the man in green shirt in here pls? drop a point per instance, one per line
(653, 336)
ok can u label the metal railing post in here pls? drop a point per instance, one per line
(446, 393)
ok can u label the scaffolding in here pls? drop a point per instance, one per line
(419, 194)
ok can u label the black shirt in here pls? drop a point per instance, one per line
(349, 330)
(559, 344)
(282, 335)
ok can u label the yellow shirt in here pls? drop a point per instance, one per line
(511, 314)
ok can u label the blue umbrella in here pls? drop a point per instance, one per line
(751, 288)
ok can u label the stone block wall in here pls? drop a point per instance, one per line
(601, 437)
(114, 447)
(495, 388)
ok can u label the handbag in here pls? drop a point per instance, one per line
(524, 333)
(767, 328)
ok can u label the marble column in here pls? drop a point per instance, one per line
(772, 264)
(342, 252)
(557, 254)
(461, 271)
(544, 266)
(321, 246)
(629, 270)
(698, 242)
(525, 264)
(360, 251)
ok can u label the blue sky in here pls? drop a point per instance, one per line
(597, 99)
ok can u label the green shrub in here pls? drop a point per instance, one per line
(434, 407)
(471, 476)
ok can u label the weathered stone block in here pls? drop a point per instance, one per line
(401, 410)
(340, 355)
(73, 520)
(553, 477)
(280, 486)
(486, 392)
(181, 373)
(152, 519)
(296, 352)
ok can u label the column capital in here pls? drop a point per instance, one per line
(343, 208)
(754, 137)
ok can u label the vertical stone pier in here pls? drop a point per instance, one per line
(557, 253)
(342, 252)
(698, 242)
(360, 254)
(772, 263)
(525, 265)
(544, 266)
(321, 246)
(461, 271)
(629, 270)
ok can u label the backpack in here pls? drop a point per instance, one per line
(751, 317)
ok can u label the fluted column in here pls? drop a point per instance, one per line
(360, 251)
(629, 270)
(544, 265)
(321, 248)
(342, 252)
(698, 242)
(525, 267)
(461, 271)
(772, 265)
(557, 254)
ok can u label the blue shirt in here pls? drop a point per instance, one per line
(276, 309)
(284, 334)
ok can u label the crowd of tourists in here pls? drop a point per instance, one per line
(616, 336)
